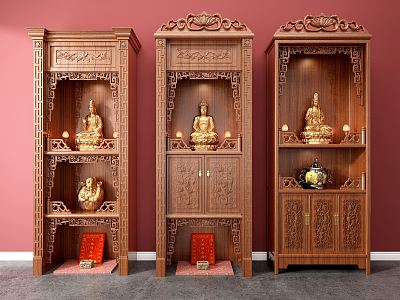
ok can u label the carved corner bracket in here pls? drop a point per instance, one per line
(288, 137)
(356, 56)
(173, 224)
(173, 77)
(288, 183)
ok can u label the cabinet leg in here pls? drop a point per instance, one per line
(160, 267)
(123, 265)
(37, 266)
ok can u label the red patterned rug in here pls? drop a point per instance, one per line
(221, 268)
(71, 266)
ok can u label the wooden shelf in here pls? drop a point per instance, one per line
(322, 146)
(324, 191)
(190, 152)
(202, 216)
(81, 153)
(83, 215)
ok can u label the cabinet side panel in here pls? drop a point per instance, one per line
(160, 155)
(38, 53)
(270, 148)
(247, 73)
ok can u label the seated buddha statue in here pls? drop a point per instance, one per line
(315, 131)
(91, 194)
(203, 137)
(91, 135)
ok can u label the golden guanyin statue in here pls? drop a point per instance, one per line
(91, 194)
(91, 135)
(203, 137)
(316, 132)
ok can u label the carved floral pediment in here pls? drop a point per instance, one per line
(203, 21)
(321, 23)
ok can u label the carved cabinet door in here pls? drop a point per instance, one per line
(352, 227)
(293, 223)
(184, 184)
(222, 182)
(323, 223)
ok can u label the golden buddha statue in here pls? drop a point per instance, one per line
(91, 194)
(91, 135)
(315, 131)
(203, 137)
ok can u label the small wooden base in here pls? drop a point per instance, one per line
(37, 265)
(284, 262)
(247, 267)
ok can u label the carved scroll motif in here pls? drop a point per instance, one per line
(321, 23)
(288, 137)
(54, 77)
(173, 225)
(323, 225)
(57, 145)
(289, 183)
(352, 138)
(204, 55)
(58, 207)
(177, 144)
(352, 224)
(294, 224)
(352, 183)
(173, 78)
(356, 57)
(87, 57)
(230, 144)
(52, 224)
(108, 206)
(203, 21)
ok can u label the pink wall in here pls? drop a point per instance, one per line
(263, 18)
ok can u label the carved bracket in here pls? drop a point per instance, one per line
(53, 77)
(108, 206)
(109, 144)
(173, 225)
(177, 144)
(58, 207)
(52, 224)
(230, 144)
(355, 52)
(203, 21)
(57, 145)
(289, 183)
(173, 78)
(288, 137)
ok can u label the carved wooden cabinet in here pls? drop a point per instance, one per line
(321, 224)
(70, 69)
(204, 57)
(329, 56)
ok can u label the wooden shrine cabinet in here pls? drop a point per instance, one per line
(70, 69)
(329, 56)
(204, 58)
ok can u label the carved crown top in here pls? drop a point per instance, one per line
(203, 21)
(321, 23)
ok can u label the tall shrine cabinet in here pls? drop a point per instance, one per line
(204, 57)
(70, 69)
(330, 56)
